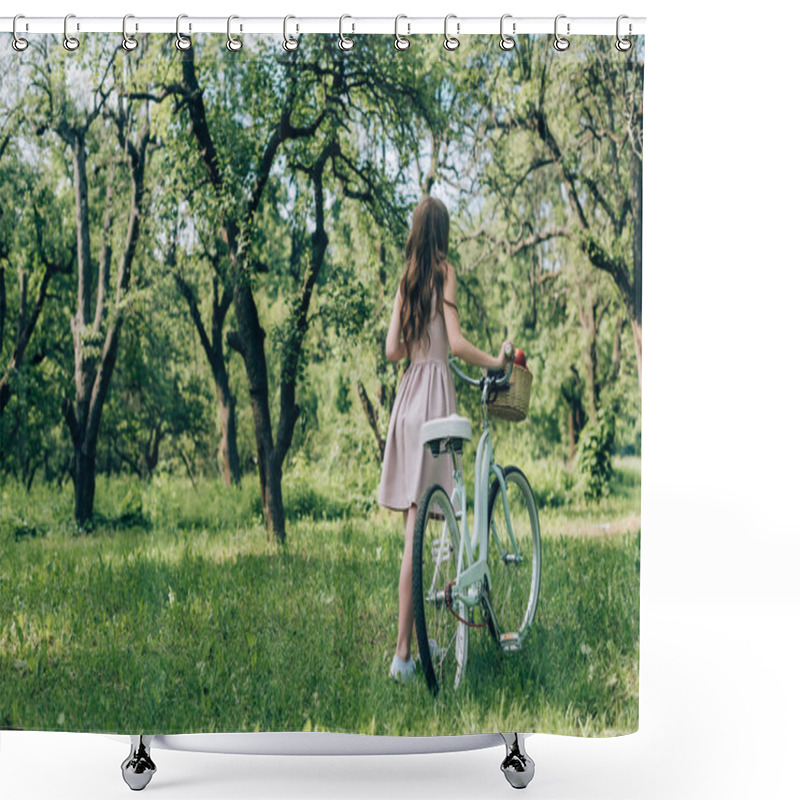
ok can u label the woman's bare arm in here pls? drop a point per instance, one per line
(459, 346)
(395, 349)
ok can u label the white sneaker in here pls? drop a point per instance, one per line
(402, 670)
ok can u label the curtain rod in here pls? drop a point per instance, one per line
(407, 25)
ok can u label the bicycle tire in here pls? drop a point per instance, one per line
(515, 583)
(434, 569)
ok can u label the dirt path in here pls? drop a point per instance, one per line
(596, 528)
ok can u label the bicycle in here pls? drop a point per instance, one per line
(497, 569)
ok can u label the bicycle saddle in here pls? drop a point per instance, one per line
(456, 428)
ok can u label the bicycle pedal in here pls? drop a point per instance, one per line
(510, 642)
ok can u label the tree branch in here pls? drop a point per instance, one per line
(194, 312)
(235, 342)
(293, 349)
(372, 418)
(104, 266)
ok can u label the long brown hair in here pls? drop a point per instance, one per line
(426, 268)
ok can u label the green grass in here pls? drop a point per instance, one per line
(178, 613)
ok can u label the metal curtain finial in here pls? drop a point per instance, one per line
(517, 766)
(560, 43)
(18, 43)
(233, 44)
(290, 44)
(400, 42)
(138, 768)
(623, 44)
(128, 42)
(451, 42)
(181, 41)
(345, 42)
(506, 42)
(71, 43)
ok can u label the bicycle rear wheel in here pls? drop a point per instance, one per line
(441, 637)
(514, 557)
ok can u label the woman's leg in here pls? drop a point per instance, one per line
(405, 617)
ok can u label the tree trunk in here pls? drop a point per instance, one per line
(637, 343)
(572, 391)
(214, 349)
(5, 392)
(152, 451)
(93, 374)
(273, 501)
(252, 340)
(83, 460)
(587, 312)
(571, 434)
(83, 477)
(26, 323)
(636, 213)
(228, 449)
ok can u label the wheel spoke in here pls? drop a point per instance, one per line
(514, 556)
(435, 567)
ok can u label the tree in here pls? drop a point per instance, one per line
(579, 118)
(214, 349)
(308, 120)
(601, 165)
(158, 407)
(26, 246)
(556, 163)
(105, 128)
(197, 261)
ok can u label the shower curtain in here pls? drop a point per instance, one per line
(200, 251)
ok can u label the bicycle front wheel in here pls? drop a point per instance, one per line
(442, 638)
(514, 556)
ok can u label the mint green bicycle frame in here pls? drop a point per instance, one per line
(473, 574)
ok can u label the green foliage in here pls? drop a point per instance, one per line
(593, 460)
(345, 303)
(552, 483)
(522, 262)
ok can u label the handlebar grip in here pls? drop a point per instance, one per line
(509, 351)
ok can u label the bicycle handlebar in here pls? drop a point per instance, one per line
(494, 380)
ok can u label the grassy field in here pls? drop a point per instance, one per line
(178, 613)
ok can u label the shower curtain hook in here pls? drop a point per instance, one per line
(506, 41)
(128, 42)
(451, 42)
(289, 42)
(181, 41)
(623, 44)
(560, 43)
(400, 42)
(233, 44)
(345, 42)
(71, 43)
(18, 43)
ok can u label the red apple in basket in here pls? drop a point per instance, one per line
(519, 358)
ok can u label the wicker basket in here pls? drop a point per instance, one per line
(512, 403)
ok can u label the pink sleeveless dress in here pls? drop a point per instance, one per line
(426, 392)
